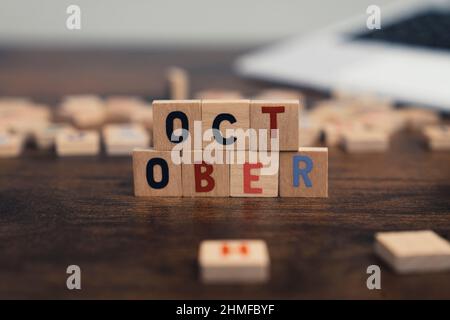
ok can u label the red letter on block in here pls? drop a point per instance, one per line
(205, 175)
(272, 111)
(248, 177)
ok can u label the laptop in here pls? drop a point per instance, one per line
(407, 60)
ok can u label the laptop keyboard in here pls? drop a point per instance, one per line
(429, 29)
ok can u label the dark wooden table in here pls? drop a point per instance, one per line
(55, 212)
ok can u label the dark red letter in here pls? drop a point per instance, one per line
(248, 177)
(205, 175)
(272, 111)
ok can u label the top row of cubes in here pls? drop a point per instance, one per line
(169, 115)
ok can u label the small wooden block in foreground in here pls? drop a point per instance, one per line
(251, 179)
(176, 113)
(203, 179)
(77, 143)
(121, 139)
(155, 174)
(304, 173)
(10, 145)
(438, 137)
(276, 114)
(413, 251)
(355, 141)
(228, 114)
(234, 261)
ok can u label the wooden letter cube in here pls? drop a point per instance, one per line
(252, 176)
(223, 115)
(77, 143)
(155, 174)
(413, 251)
(234, 261)
(276, 114)
(121, 139)
(358, 141)
(304, 173)
(169, 115)
(202, 178)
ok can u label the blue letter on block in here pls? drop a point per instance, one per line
(302, 172)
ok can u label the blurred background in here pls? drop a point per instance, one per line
(150, 23)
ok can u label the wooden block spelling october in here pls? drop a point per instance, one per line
(234, 261)
(304, 173)
(276, 114)
(169, 115)
(155, 174)
(202, 179)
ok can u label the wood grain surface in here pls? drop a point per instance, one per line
(55, 212)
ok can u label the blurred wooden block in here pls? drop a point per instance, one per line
(438, 137)
(363, 101)
(234, 261)
(218, 94)
(11, 101)
(27, 127)
(281, 94)
(205, 177)
(304, 173)
(175, 113)
(309, 132)
(276, 114)
(88, 119)
(143, 116)
(85, 111)
(121, 139)
(386, 121)
(155, 174)
(333, 134)
(121, 108)
(223, 115)
(11, 145)
(417, 118)
(252, 175)
(178, 83)
(360, 141)
(77, 143)
(413, 251)
(73, 103)
(45, 138)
